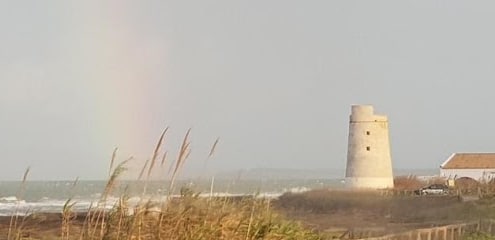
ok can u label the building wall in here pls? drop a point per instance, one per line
(476, 174)
(369, 163)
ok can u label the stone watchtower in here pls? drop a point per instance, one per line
(369, 164)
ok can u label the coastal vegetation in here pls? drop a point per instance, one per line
(167, 216)
(184, 213)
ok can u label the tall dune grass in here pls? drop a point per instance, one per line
(185, 217)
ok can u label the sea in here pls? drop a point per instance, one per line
(25, 198)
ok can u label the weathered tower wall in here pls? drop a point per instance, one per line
(369, 164)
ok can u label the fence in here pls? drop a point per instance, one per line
(447, 232)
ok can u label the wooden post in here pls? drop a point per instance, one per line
(444, 233)
(429, 235)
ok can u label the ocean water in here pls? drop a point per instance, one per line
(51, 196)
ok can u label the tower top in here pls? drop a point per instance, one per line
(362, 109)
(365, 113)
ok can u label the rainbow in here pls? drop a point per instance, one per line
(119, 64)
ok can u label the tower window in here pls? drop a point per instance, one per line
(368, 148)
(368, 133)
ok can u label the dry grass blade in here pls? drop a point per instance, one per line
(153, 161)
(186, 156)
(141, 174)
(119, 169)
(114, 155)
(67, 216)
(171, 167)
(251, 217)
(14, 218)
(75, 182)
(164, 159)
(183, 153)
(116, 173)
(155, 152)
(185, 142)
(67, 213)
(212, 150)
(26, 173)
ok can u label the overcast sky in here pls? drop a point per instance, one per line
(273, 79)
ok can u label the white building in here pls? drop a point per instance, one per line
(369, 164)
(477, 166)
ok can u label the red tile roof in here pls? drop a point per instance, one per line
(470, 161)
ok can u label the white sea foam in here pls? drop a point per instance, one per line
(12, 206)
(51, 206)
(52, 196)
(8, 199)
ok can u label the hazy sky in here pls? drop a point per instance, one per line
(273, 79)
